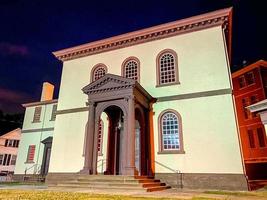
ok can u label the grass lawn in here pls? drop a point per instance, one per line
(51, 195)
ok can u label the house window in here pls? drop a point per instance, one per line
(30, 156)
(100, 137)
(261, 138)
(6, 159)
(37, 114)
(167, 68)
(1, 159)
(242, 81)
(130, 68)
(170, 132)
(53, 115)
(251, 139)
(253, 99)
(250, 78)
(98, 71)
(13, 160)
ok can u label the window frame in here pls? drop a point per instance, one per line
(95, 68)
(53, 113)
(160, 134)
(123, 71)
(28, 154)
(35, 114)
(158, 78)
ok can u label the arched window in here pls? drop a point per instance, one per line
(170, 130)
(98, 71)
(167, 68)
(130, 68)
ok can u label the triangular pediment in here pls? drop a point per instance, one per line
(109, 82)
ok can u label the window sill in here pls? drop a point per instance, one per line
(29, 162)
(168, 84)
(172, 152)
(36, 121)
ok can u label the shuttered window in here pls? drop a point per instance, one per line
(31, 152)
(37, 114)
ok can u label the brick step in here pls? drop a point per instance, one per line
(149, 185)
(107, 180)
(148, 180)
(158, 188)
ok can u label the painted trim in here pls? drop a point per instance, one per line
(39, 103)
(158, 78)
(216, 18)
(37, 130)
(181, 142)
(195, 95)
(73, 110)
(123, 72)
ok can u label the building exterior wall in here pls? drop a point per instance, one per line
(254, 148)
(9, 150)
(32, 134)
(203, 67)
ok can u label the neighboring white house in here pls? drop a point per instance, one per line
(9, 143)
(37, 132)
(147, 102)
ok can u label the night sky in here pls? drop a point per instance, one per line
(31, 30)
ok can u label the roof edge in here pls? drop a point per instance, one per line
(221, 17)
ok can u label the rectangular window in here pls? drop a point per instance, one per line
(10, 143)
(37, 114)
(241, 81)
(6, 159)
(1, 159)
(251, 139)
(13, 160)
(54, 109)
(250, 78)
(261, 137)
(6, 142)
(30, 156)
(253, 100)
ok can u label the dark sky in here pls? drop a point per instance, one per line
(31, 30)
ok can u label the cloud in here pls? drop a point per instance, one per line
(10, 100)
(7, 49)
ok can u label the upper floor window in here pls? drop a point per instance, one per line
(251, 139)
(11, 143)
(53, 115)
(261, 137)
(130, 68)
(246, 79)
(167, 68)
(171, 140)
(98, 71)
(37, 114)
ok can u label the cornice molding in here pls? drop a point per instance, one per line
(217, 18)
(40, 103)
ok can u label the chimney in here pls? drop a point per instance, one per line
(47, 91)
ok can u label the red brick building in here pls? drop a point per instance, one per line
(249, 86)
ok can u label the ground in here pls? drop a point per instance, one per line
(18, 191)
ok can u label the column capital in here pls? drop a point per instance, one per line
(90, 103)
(129, 97)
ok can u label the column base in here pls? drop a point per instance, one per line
(130, 171)
(85, 171)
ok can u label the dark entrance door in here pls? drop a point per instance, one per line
(46, 156)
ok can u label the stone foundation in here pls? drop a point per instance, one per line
(205, 181)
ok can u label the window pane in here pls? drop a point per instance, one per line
(99, 72)
(250, 78)
(241, 81)
(37, 114)
(131, 69)
(31, 152)
(261, 137)
(251, 139)
(170, 133)
(167, 68)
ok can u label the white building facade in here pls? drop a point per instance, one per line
(164, 97)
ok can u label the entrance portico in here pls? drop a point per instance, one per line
(130, 139)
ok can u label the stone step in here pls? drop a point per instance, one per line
(157, 188)
(102, 187)
(92, 183)
(148, 180)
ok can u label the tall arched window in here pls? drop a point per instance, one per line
(131, 68)
(98, 71)
(170, 132)
(167, 68)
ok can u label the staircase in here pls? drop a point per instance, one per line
(109, 182)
